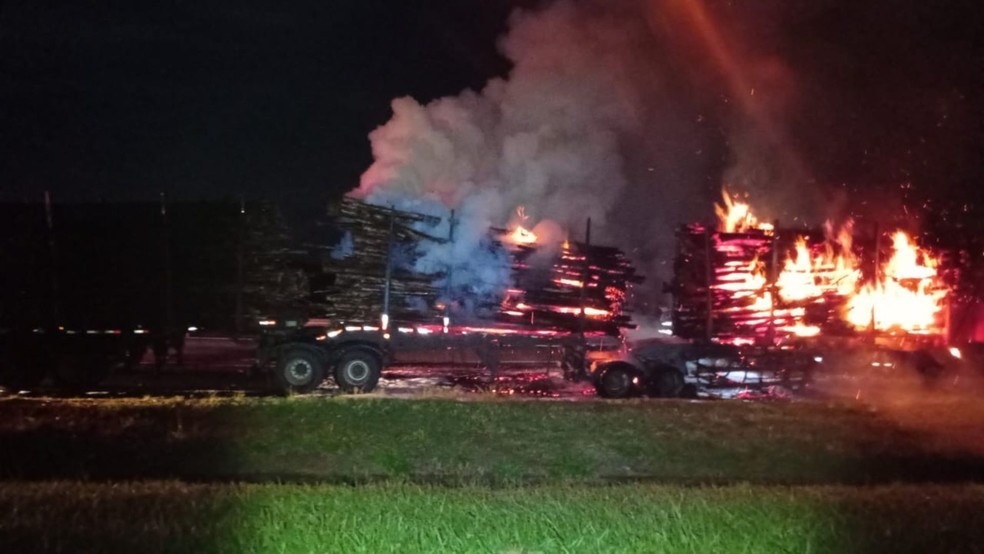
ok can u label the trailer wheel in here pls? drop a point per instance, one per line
(614, 382)
(299, 371)
(358, 371)
(80, 373)
(668, 382)
(17, 375)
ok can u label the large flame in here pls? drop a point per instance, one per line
(906, 295)
(809, 275)
(736, 216)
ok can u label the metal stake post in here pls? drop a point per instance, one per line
(708, 274)
(389, 265)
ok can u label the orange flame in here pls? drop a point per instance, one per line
(809, 276)
(736, 216)
(520, 234)
(907, 296)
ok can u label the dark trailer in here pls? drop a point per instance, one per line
(85, 287)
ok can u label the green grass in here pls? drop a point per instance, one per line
(358, 440)
(391, 475)
(176, 517)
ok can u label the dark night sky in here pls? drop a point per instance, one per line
(112, 99)
(275, 99)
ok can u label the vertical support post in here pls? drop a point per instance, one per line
(773, 282)
(168, 315)
(585, 273)
(947, 320)
(389, 266)
(877, 276)
(450, 275)
(240, 254)
(55, 312)
(446, 320)
(708, 276)
(578, 350)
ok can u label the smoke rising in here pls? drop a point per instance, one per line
(611, 111)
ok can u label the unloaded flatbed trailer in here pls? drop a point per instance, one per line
(86, 287)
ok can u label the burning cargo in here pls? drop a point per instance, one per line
(562, 288)
(397, 286)
(748, 282)
(758, 306)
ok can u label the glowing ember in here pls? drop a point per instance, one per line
(588, 311)
(572, 278)
(801, 330)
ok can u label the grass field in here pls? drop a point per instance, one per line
(174, 517)
(346, 440)
(377, 475)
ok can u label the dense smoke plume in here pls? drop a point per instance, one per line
(612, 111)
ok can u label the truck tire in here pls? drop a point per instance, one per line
(18, 375)
(615, 381)
(299, 371)
(358, 371)
(80, 373)
(667, 382)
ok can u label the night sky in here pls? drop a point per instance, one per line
(123, 100)
(115, 99)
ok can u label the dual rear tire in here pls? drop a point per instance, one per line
(622, 380)
(617, 381)
(302, 371)
(358, 371)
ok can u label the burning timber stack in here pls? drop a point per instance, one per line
(751, 283)
(727, 286)
(579, 275)
(568, 288)
(377, 253)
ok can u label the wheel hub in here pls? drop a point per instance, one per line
(616, 382)
(357, 371)
(299, 372)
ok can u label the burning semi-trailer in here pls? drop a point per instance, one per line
(382, 306)
(90, 287)
(87, 288)
(756, 305)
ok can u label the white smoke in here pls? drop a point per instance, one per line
(591, 121)
(545, 137)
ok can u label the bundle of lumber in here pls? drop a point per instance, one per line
(361, 264)
(738, 286)
(719, 281)
(579, 287)
(549, 287)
